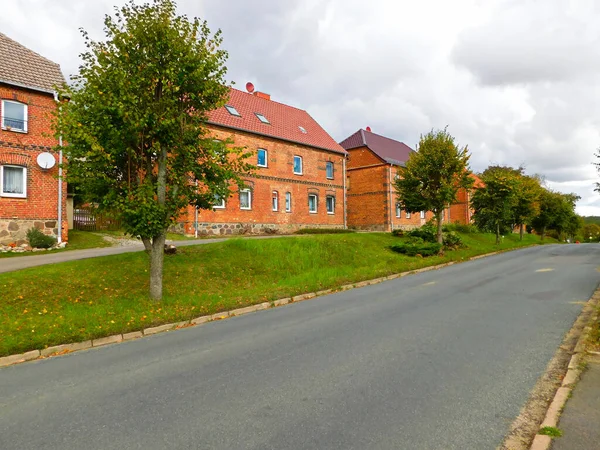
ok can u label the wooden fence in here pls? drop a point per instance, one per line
(87, 219)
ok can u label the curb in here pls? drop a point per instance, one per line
(563, 393)
(62, 349)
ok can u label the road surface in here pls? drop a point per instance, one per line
(438, 360)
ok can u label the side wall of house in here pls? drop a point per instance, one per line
(277, 179)
(40, 206)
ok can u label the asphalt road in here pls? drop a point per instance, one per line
(438, 360)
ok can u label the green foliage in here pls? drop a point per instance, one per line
(452, 240)
(37, 239)
(427, 232)
(460, 228)
(557, 212)
(553, 432)
(324, 231)
(591, 232)
(398, 232)
(417, 248)
(433, 175)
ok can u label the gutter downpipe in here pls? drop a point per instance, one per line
(344, 177)
(60, 175)
(390, 196)
(196, 216)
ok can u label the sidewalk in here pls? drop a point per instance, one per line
(23, 262)
(580, 421)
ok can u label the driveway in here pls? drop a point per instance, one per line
(438, 360)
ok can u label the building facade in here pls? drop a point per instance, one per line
(299, 177)
(31, 194)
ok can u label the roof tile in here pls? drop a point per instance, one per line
(390, 150)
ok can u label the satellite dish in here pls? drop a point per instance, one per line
(250, 87)
(46, 160)
(369, 129)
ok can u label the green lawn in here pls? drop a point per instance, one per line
(90, 298)
(78, 240)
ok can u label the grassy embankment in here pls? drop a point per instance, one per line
(91, 298)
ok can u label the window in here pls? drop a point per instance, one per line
(398, 210)
(262, 118)
(245, 199)
(13, 181)
(302, 129)
(312, 203)
(262, 158)
(422, 214)
(407, 215)
(298, 165)
(219, 202)
(275, 201)
(329, 169)
(288, 202)
(14, 116)
(330, 204)
(231, 110)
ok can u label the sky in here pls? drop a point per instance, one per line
(517, 81)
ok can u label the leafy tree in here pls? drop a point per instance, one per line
(591, 232)
(557, 212)
(494, 203)
(135, 124)
(433, 176)
(527, 194)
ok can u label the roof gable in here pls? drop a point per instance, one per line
(23, 67)
(284, 122)
(390, 150)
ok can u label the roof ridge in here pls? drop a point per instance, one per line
(31, 51)
(264, 99)
(362, 135)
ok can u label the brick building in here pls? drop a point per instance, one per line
(373, 162)
(30, 191)
(299, 181)
(461, 211)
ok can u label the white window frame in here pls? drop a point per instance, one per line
(332, 198)
(232, 110)
(25, 121)
(10, 194)
(220, 205)
(301, 165)
(275, 201)
(407, 215)
(316, 203)
(422, 214)
(266, 164)
(327, 165)
(249, 192)
(288, 202)
(398, 211)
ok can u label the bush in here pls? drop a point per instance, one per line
(323, 231)
(37, 239)
(415, 248)
(427, 232)
(398, 233)
(452, 240)
(460, 228)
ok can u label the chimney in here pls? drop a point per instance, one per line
(262, 95)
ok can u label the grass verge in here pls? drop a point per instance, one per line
(78, 240)
(91, 298)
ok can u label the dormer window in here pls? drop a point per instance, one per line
(232, 111)
(302, 129)
(262, 118)
(14, 116)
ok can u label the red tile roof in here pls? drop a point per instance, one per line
(284, 121)
(390, 150)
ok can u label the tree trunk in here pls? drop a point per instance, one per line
(438, 218)
(497, 233)
(521, 231)
(157, 255)
(543, 232)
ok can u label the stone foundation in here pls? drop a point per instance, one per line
(226, 229)
(14, 231)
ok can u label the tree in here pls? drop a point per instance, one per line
(494, 203)
(557, 212)
(527, 194)
(433, 176)
(136, 119)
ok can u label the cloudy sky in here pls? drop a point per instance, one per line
(518, 81)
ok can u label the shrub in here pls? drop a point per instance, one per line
(452, 240)
(460, 228)
(398, 233)
(323, 231)
(37, 239)
(427, 232)
(415, 248)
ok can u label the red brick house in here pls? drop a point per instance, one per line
(299, 181)
(461, 211)
(31, 194)
(373, 162)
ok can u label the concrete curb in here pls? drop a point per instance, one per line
(62, 349)
(569, 382)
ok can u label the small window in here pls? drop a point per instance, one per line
(275, 201)
(232, 111)
(398, 210)
(262, 118)
(312, 203)
(302, 129)
(219, 202)
(407, 215)
(330, 204)
(14, 116)
(298, 165)
(13, 181)
(422, 214)
(245, 199)
(262, 158)
(288, 202)
(329, 169)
